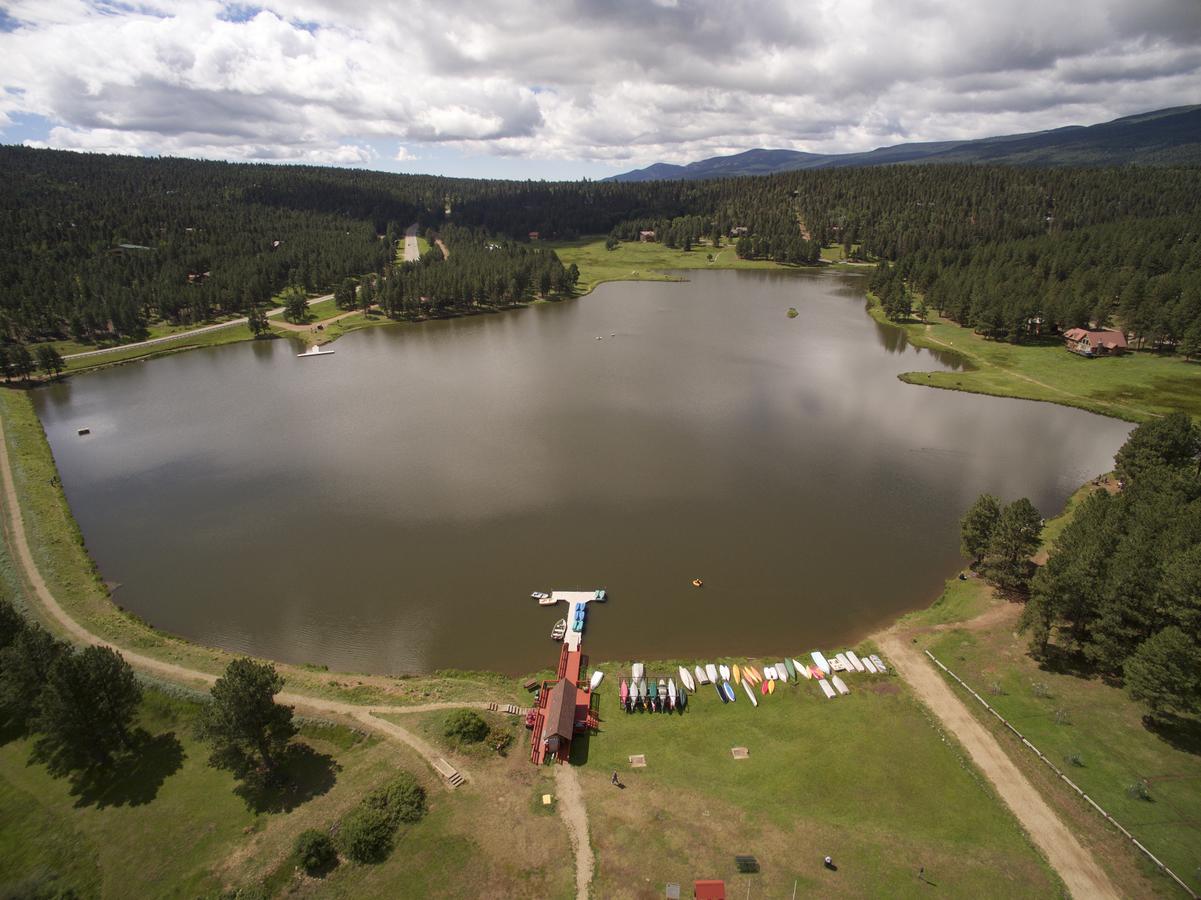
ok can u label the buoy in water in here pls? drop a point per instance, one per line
(696, 582)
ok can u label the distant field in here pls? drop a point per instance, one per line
(636, 261)
(868, 779)
(1136, 386)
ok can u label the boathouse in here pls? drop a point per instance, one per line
(560, 719)
(1092, 343)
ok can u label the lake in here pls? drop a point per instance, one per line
(390, 508)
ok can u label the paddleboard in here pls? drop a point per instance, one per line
(855, 661)
(686, 679)
(729, 691)
(868, 665)
(879, 665)
(840, 685)
(790, 667)
(711, 671)
(737, 675)
(771, 687)
(820, 661)
(720, 693)
(803, 670)
(701, 677)
(671, 692)
(624, 693)
(746, 686)
(827, 690)
(597, 677)
(724, 671)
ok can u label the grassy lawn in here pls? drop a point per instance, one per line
(636, 261)
(1134, 387)
(868, 779)
(62, 558)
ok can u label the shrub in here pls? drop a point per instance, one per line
(500, 739)
(466, 726)
(401, 800)
(366, 834)
(315, 851)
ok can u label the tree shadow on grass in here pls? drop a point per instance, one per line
(303, 774)
(1062, 661)
(1182, 733)
(132, 778)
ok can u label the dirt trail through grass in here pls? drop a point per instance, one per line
(571, 808)
(1075, 865)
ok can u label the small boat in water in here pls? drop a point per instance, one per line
(696, 582)
(597, 677)
(315, 350)
(540, 595)
(560, 629)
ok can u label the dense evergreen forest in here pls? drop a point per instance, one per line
(97, 247)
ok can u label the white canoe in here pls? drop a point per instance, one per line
(701, 677)
(879, 665)
(637, 671)
(802, 670)
(826, 689)
(820, 661)
(711, 671)
(724, 671)
(854, 660)
(840, 685)
(671, 692)
(750, 693)
(686, 679)
(868, 665)
(782, 671)
(597, 677)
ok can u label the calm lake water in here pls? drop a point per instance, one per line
(389, 508)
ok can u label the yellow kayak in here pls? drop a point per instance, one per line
(752, 673)
(737, 675)
(771, 687)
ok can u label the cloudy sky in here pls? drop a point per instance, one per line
(549, 89)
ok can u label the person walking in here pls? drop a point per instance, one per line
(614, 779)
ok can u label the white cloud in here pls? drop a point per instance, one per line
(622, 81)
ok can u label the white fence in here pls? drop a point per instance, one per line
(1054, 768)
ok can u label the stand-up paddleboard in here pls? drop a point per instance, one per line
(729, 691)
(868, 665)
(855, 661)
(671, 693)
(802, 670)
(790, 668)
(597, 677)
(711, 671)
(827, 690)
(750, 693)
(879, 665)
(686, 679)
(701, 677)
(735, 673)
(724, 671)
(820, 661)
(840, 685)
(721, 693)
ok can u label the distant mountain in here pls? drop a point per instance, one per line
(1164, 137)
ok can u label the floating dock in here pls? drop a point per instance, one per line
(564, 704)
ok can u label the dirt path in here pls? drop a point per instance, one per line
(182, 334)
(442, 246)
(312, 326)
(412, 254)
(571, 808)
(1075, 865)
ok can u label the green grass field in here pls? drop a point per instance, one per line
(635, 261)
(868, 779)
(1135, 387)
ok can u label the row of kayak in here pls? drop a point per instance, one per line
(663, 694)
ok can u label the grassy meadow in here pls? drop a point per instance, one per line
(868, 779)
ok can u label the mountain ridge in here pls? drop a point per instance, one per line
(1170, 136)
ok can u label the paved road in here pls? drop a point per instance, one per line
(1075, 865)
(181, 334)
